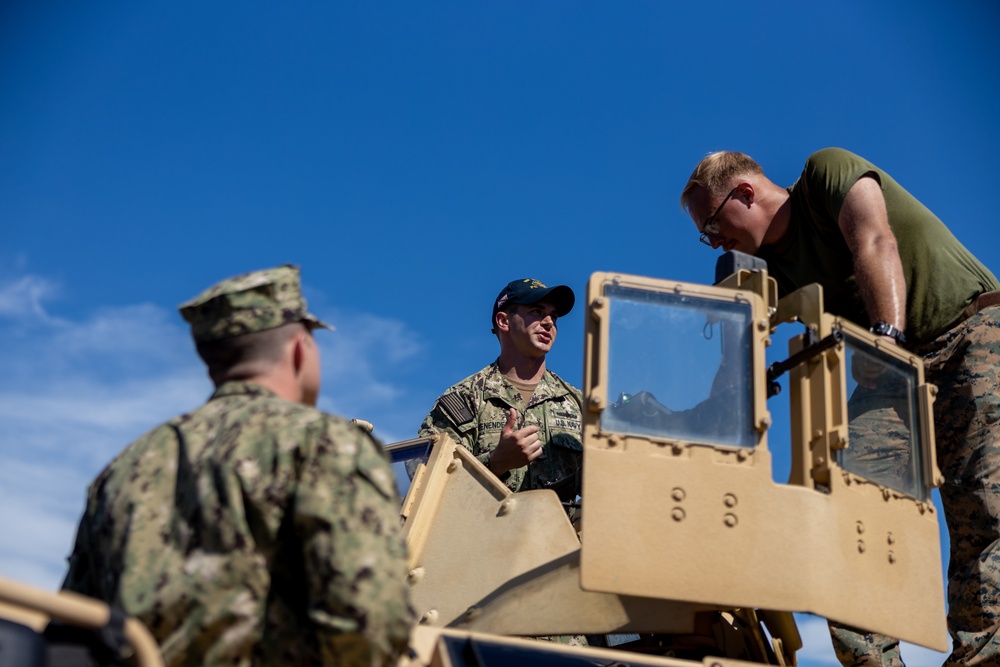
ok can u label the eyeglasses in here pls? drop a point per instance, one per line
(710, 228)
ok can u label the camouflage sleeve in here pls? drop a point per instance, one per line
(347, 518)
(441, 420)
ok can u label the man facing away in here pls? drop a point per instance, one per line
(255, 530)
(520, 419)
(887, 262)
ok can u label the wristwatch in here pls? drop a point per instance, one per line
(886, 329)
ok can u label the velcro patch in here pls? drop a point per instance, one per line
(456, 409)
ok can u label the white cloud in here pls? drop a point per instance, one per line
(363, 361)
(39, 504)
(74, 393)
(23, 297)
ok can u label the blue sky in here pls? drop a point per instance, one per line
(412, 158)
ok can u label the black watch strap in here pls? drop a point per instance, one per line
(886, 329)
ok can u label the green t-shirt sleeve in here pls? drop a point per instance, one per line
(941, 275)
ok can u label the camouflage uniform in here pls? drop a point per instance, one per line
(964, 363)
(254, 530)
(474, 411)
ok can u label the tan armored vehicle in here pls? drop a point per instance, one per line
(688, 549)
(43, 629)
(683, 548)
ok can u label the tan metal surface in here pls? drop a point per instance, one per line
(79, 611)
(468, 534)
(428, 644)
(26, 617)
(706, 524)
(735, 538)
(484, 558)
(549, 601)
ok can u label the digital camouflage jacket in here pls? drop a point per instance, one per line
(252, 531)
(474, 411)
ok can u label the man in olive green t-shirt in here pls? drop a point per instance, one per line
(887, 262)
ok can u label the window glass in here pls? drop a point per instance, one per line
(406, 457)
(679, 368)
(884, 438)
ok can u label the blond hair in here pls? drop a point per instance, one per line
(716, 172)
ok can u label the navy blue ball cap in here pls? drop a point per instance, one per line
(527, 291)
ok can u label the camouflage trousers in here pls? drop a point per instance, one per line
(964, 363)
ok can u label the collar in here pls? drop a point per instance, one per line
(240, 388)
(549, 385)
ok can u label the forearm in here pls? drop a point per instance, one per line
(879, 274)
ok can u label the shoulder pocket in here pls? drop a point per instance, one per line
(456, 409)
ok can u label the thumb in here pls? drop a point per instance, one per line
(509, 427)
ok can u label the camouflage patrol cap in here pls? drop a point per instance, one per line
(529, 290)
(249, 302)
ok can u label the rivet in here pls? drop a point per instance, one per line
(890, 539)
(729, 500)
(677, 514)
(892, 557)
(861, 528)
(730, 520)
(678, 494)
(507, 506)
(861, 546)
